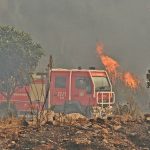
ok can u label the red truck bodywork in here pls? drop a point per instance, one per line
(81, 87)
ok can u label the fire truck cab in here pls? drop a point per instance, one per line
(79, 90)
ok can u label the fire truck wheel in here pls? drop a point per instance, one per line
(7, 110)
(72, 107)
(88, 112)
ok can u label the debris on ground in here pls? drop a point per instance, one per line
(75, 132)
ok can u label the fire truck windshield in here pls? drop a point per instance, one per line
(101, 83)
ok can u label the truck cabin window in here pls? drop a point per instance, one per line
(83, 83)
(60, 82)
(101, 84)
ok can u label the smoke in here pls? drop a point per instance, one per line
(70, 29)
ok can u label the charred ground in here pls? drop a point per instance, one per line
(118, 132)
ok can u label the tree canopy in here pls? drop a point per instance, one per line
(19, 55)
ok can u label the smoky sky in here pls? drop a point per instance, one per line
(70, 29)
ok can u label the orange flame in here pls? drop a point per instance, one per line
(112, 65)
(130, 80)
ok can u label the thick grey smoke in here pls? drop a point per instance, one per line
(70, 29)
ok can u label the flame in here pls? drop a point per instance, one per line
(130, 80)
(112, 66)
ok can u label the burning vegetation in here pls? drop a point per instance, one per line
(112, 66)
(130, 80)
(131, 95)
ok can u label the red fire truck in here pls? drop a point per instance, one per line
(70, 91)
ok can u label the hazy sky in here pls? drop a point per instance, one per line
(70, 29)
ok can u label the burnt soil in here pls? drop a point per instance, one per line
(116, 133)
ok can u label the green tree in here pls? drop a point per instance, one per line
(19, 55)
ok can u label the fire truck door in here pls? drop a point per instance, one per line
(59, 88)
(81, 89)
